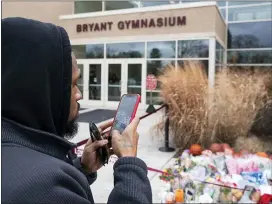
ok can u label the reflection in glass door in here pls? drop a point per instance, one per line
(114, 82)
(134, 79)
(95, 82)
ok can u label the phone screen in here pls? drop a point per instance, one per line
(124, 112)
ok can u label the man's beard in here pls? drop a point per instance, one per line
(72, 129)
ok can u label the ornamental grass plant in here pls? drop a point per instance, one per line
(204, 114)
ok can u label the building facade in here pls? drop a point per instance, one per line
(119, 43)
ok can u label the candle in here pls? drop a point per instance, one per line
(169, 198)
(179, 196)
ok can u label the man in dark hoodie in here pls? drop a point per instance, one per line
(39, 109)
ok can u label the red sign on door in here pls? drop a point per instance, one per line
(151, 82)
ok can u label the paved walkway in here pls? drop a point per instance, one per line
(149, 142)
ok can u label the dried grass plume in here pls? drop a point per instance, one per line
(201, 114)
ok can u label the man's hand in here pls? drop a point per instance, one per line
(90, 159)
(125, 145)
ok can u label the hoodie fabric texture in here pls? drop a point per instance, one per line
(36, 88)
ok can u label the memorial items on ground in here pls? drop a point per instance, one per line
(218, 175)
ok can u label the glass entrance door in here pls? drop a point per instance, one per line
(114, 79)
(91, 83)
(124, 77)
(134, 78)
(95, 82)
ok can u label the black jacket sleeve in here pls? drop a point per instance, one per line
(90, 177)
(131, 184)
(46, 182)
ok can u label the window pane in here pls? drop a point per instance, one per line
(250, 57)
(233, 3)
(189, 1)
(219, 54)
(87, 6)
(114, 82)
(250, 13)
(193, 48)
(156, 98)
(250, 35)
(95, 51)
(79, 51)
(156, 67)
(154, 3)
(223, 13)
(125, 50)
(134, 79)
(203, 63)
(95, 81)
(115, 5)
(161, 49)
(250, 68)
(218, 48)
(88, 51)
(221, 3)
(134, 75)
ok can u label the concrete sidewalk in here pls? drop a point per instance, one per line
(149, 142)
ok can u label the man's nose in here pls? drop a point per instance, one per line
(78, 96)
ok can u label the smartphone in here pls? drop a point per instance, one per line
(126, 111)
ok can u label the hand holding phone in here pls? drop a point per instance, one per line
(95, 153)
(124, 136)
(126, 111)
(125, 144)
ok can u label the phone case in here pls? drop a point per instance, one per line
(135, 107)
(101, 152)
(133, 113)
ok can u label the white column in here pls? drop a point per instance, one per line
(103, 5)
(176, 54)
(104, 78)
(86, 81)
(143, 84)
(226, 35)
(145, 96)
(212, 46)
(103, 82)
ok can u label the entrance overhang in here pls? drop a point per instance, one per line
(192, 19)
